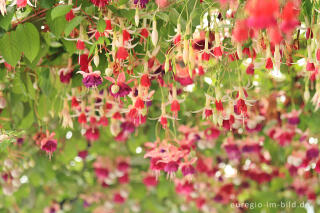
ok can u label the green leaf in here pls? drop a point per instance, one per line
(60, 10)
(27, 121)
(9, 48)
(31, 90)
(5, 21)
(72, 24)
(101, 26)
(29, 40)
(57, 26)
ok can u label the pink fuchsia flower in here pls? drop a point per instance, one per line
(188, 169)
(100, 3)
(49, 144)
(184, 188)
(92, 134)
(240, 31)
(150, 181)
(289, 16)
(119, 87)
(262, 14)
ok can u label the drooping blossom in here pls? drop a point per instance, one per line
(49, 144)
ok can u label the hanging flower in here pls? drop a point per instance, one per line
(119, 87)
(49, 144)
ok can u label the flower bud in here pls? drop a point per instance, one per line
(167, 65)
(108, 71)
(115, 89)
(96, 59)
(154, 36)
(306, 94)
(185, 51)
(136, 17)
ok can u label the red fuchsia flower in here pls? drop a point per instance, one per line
(275, 35)
(122, 53)
(82, 119)
(175, 107)
(84, 62)
(80, 45)
(22, 3)
(262, 14)
(241, 108)
(318, 54)
(69, 16)
(283, 136)
(184, 188)
(250, 69)
(310, 66)
(65, 75)
(124, 179)
(125, 36)
(145, 81)
(144, 33)
(150, 181)
(120, 87)
(92, 134)
(269, 64)
(103, 121)
(240, 31)
(100, 3)
(217, 52)
(118, 198)
(83, 154)
(289, 16)
(212, 133)
(49, 144)
(317, 168)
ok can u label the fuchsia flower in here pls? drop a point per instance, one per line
(65, 75)
(119, 87)
(100, 3)
(91, 79)
(49, 144)
(122, 53)
(240, 31)
(69, 16)
(289, 16)
(92, 134)
(262, 14)
(150, 181)
(22, 3)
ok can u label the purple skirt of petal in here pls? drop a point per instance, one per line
(92, 80)
(124, 90)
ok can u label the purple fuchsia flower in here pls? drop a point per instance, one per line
(141, 3)
(119, 87)
(91, 79)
